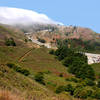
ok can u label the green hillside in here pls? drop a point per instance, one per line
(10, 32)
(38, 60)
(34, 74)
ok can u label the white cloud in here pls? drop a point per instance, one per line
(21, 16)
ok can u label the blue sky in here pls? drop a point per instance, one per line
(85, 13)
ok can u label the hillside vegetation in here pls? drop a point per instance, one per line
(7, 32)
(30, 73)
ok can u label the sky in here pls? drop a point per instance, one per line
(84, 13)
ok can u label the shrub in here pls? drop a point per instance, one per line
(10, 42)
(61, 75)
(69, 88)
(81, 93)
(41, 40)
(25, 72)
(10, 65)
(96, 94)
(26, 40)
(73, 79)
(52, 52)
(89, 82)
(47, 72)
(39, 77)
(98, 85)
(18, 69)
(60, 89)
(52, 84)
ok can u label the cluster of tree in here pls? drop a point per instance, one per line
(10, 42)
(79, 44)
(76, 62)
(81, 90)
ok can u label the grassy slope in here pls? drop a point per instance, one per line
(37, 60)
(8, 32)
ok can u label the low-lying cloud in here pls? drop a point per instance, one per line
(21, 16)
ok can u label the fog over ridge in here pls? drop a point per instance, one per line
(21, 16)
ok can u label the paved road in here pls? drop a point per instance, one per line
(39, 43)
(93, 58)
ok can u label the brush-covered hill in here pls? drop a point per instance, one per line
(29, 73)
(7, 32)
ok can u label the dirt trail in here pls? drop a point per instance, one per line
(25, 55)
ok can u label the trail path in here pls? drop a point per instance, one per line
(25, 55)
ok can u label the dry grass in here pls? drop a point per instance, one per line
(7, 95)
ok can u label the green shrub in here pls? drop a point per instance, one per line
(81, 93)
(10, 65)
(52, 84)
(69, 88)
(52, 52)
(96, 94)
(41, 40)
(61, 75)
(18, 69)
(47, 72)
(25, 72)
(98, 85)
(10, 42)
(89, 82)
(26, 40)
(60, 89)
(73, 79)
(39, 77)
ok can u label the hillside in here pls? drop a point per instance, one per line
(76, 37)
(7, 31)
(31, 72)
(38, 60)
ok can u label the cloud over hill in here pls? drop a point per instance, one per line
(21, 16)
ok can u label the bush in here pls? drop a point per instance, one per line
(89, 82)
(10, 42)
(25, 72)
(39, 77)
(18, 69)
(26, 40)
(52, 84)
(73, 79)
(98, 85)
(61, 75)
(41, 40)
(82, 93)
(10, 65)
(96, 94)
(69, 88)
(52, 52)
(60, 89)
